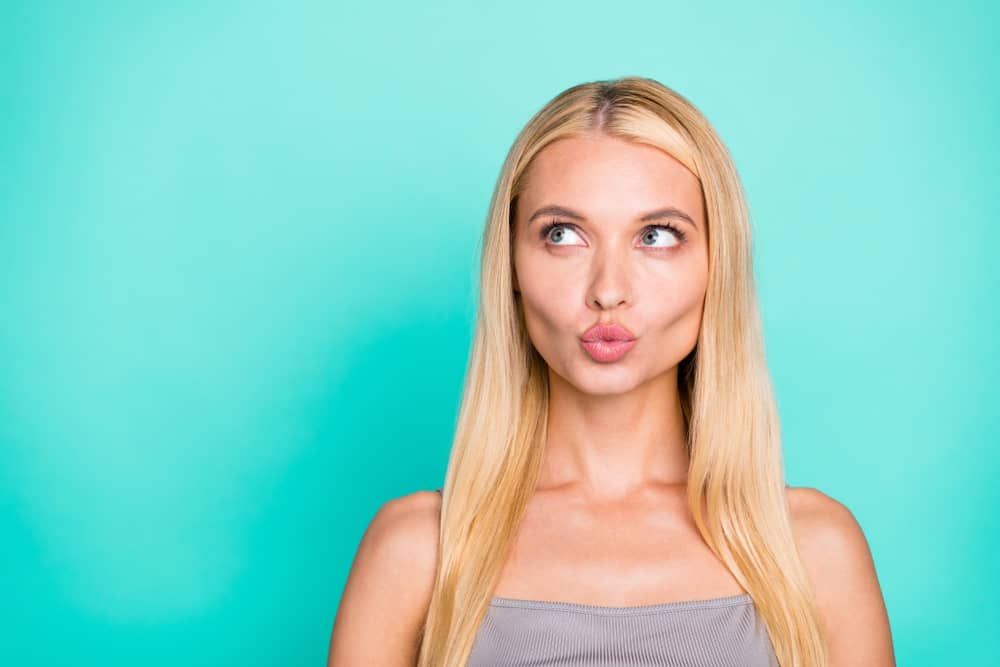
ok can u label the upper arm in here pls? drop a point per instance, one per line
(388, 588)
(842, 572)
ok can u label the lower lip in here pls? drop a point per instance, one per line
(607, 350)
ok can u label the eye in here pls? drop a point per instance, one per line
(560, 228)
(654, 232)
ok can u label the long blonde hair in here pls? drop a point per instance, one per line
(735, 488)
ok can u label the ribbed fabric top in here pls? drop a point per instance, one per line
(714, 632)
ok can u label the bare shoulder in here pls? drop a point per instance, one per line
(389, 585)
(840, 566)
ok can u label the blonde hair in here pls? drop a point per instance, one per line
(735, 488)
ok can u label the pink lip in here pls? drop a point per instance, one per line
(607, 342)
(608, 350)
(607, 332)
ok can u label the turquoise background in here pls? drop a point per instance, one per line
(238, 271)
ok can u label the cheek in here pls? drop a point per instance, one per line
(679, 314)
(688, 296)
(548, 307)
(548, 297)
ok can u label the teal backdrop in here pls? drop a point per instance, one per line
(238, 262)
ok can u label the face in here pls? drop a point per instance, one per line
(599, 261)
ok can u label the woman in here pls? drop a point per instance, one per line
(615, 492)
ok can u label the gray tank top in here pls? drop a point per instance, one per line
(715, 632)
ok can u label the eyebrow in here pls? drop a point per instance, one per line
(658, 214)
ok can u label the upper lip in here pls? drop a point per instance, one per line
(610, 331)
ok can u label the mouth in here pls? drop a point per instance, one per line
(607, 351)
(607, 332)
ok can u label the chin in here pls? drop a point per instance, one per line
(604, 379)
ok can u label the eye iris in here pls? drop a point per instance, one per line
(651, 234)
(556, 233)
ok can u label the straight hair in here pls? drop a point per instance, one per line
(735, 489)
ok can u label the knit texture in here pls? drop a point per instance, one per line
(716, 632)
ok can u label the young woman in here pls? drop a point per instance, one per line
(615, 493)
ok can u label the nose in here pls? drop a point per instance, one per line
(609, 287)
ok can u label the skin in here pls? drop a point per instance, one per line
(608, 524)
(616, 427)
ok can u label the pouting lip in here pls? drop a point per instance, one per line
(606, 331)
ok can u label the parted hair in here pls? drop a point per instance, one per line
(735, 488)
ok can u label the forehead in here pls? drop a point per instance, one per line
(608, 175)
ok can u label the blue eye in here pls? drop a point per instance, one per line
(677, 233)
(560, 226)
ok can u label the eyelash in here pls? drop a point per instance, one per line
(681, 236)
